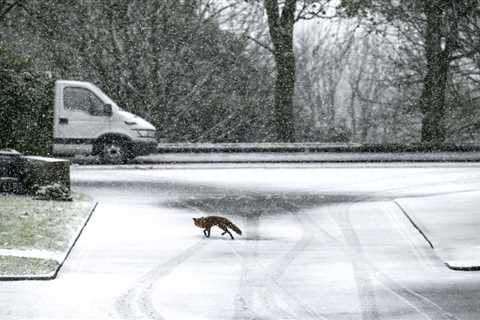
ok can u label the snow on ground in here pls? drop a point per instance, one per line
(451, 222)
(286, 265)
(319, 243)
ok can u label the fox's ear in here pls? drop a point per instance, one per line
(194, 219)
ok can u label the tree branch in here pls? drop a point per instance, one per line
(8, 9)
(217, 12)
(261, 44)
(314, 11)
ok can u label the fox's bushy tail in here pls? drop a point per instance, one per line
(234, 227)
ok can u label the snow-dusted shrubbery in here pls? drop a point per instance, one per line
(54, 191)
(26, 105)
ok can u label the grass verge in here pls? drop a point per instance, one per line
(36, 235)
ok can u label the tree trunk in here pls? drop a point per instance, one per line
(283, 98)
(437, 52)
(281, 32)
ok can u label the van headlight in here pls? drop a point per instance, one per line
(145, 133)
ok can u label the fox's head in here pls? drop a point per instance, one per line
(198, 222)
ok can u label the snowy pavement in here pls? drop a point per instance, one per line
(451, 223)
(319, 243)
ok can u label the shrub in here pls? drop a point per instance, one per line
(26, 105)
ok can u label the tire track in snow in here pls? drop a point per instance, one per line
(137, 303)
(292, 301)
(139, 298)
(244, 299)
(366, 271)
(361, 270)
(270, 276)
(250, 277)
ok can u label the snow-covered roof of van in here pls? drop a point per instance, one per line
(72, 82)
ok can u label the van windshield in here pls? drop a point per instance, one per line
(106, 99)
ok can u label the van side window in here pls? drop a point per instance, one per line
(80, 99)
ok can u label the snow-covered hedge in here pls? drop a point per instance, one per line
(26, 105)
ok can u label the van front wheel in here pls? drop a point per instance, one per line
(114, 152)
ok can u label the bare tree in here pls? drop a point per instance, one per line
(281, 18)
(437, 22)
(322, 62)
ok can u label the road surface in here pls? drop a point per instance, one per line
(319, 242)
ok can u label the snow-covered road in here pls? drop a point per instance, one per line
(319, 242)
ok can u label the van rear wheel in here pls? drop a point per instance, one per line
(114, 152)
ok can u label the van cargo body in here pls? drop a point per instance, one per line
(88, 122)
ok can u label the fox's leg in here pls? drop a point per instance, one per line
(206, 232)
(226, 231)
(221, 226)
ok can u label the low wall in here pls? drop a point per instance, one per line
(24, 174)
(41, 171)
(313, 147)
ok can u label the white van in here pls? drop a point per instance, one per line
(88, 122)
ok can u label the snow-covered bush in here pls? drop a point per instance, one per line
(55, 191)
(26, 106)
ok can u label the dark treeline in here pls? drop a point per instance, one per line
(374, 71)
(162, 60)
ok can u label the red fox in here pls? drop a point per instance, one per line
(223, 223)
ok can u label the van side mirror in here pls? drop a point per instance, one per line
(107, 109)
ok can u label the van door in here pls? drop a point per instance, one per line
(81, 120)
